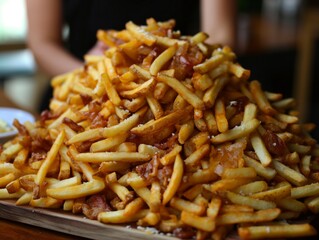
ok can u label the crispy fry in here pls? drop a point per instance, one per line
(175, 180)
(77, 191)
(279, 231)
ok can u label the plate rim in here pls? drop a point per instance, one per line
(18, 110)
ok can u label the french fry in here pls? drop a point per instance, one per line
(202, 223)
(187, 206)
(156, 197)
(273, 194)
(279, 231)
(119, 217)
(133, 207)
(49, 159)
(175, 180)
(236, 173)
(244, 217)
(77, 191)
(305, 191)
(260, 98)
(236, 132)
(251, 188)
(99, 157)
(162, 59)
(260, 149)
(220, 115)
(110, 90)
(168, 120)
(183, 91)
(249, 201)
(288, 173)
(109, 143)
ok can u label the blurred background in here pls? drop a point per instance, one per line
(277, 39)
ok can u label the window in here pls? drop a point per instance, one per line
(13, 21)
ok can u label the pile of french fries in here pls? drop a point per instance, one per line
(167, 131)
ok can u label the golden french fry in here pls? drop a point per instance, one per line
(251, 188)
(279, 231)
(220, 115)
(109, 143)
(288, 173)
(77, 191)
(133, 207)
(202, 223)
(305, 191)
(265, 172)
(140, 33)
(260, 98)
(119, 216)
(162, 59)
(211, 93)
(184, 205)
(4, 194)
(110, 90)
(49, 159)
(171, 156)
(156, 197)
(183, 91)
(235, 173)
(175, 181)
(260, 149)
(273, 194)
(243, 217)
(155, 125)
(249, 201)
(236, 132)
(99, 157)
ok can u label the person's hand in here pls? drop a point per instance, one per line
(98, 49)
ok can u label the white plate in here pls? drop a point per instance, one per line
(8, 115)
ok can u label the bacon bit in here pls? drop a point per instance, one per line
(98, 121)
(47, 115)
(40, 144)
(274, 144)
(151, 171)
(25, 141)
(36, 156)
(145, 170)
(86, 99)
(73, 125)
(84, 146)
(184, 233)
(164, 174)
(272, 127)
(94, 205)
(185, 59)
(21, 128)
(239, 104)
(94, 107)
(170, 143)
(251, 154)
(229, 155)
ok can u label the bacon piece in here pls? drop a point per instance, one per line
(73, 125)
(184, 233)
(94, 205)
(274, 144)
(21, 128)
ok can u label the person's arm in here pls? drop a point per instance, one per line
(218, 19)
(45, 37)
